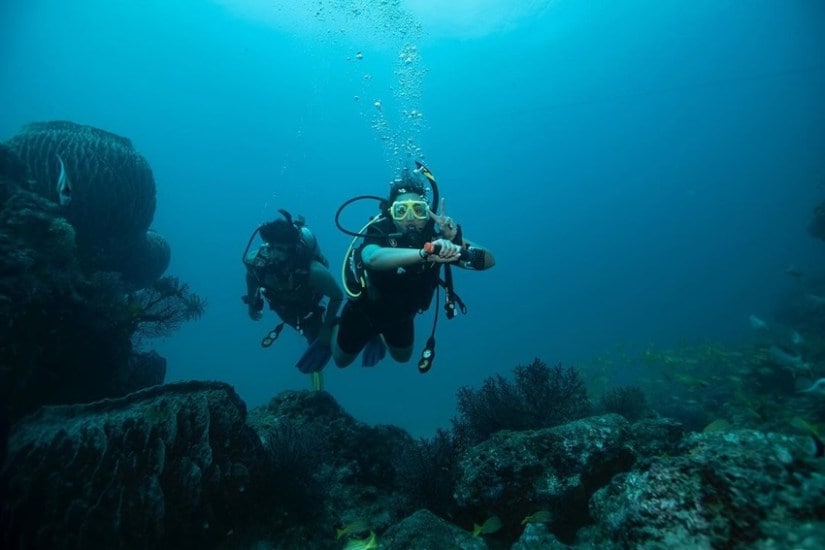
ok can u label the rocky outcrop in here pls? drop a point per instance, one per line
(732, 489)
(514, 474)
(426, 531)
(346, 468)
(164, 466)
(181, 465)
(536, 536)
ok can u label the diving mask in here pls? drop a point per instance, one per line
(401, 210)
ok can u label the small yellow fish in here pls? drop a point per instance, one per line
(690, 381)
(542, 516)
(352, 528)
(718, 425)
(804, 425)
(368, 543)
(492, 525)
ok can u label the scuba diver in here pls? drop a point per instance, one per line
(396, 270)
(289, 270)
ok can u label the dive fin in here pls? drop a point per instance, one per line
(374, 351)
(315, 358)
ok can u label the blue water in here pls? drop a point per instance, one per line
(642, 171)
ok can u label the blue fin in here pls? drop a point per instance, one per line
(374, 351)
(315, 358)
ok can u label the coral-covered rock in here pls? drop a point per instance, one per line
(67, 335)
(725, 490)
(163, 466)
(655, 437)
(112, 200)
(513, 474)
(355, 462)
(536, 536)
(424, 530)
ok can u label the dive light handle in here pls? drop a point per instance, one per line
(432, 248)
(469, 258)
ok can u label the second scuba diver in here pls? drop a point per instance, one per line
(396, 271)
(290, 272)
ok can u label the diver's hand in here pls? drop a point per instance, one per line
(449, 229)
(254, 314)
(447, 252)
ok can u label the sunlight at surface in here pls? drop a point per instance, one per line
(364, 22)
(474, 18)
(385, 21)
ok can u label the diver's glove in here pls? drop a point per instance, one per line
(315, 358)
(254, 305)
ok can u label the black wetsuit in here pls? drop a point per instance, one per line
(393, 297)
(289, 293)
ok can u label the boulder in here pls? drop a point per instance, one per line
(163, 466)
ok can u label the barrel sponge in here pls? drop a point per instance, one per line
(148, 261)
(113, 189)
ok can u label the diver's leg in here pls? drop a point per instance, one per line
(341, 358)
(311, 325)
(399, 338)
(350, 335)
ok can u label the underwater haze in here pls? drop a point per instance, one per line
(642, 171)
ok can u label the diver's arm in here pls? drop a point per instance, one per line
(251, 285)
(380, 258)
(252, 282)
(322, 280)
(252, 299)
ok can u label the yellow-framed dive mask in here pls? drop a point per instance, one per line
(401, 210)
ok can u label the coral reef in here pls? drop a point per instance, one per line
(166, 463)
(426, 473)
(112, 199)
(724, 490)
(161, 308)
(513, 474)
(68, 337)
(182, 465)
(538, 397)
(292, 458)
(68, 334)
(357, 468)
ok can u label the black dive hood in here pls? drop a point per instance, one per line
(287, 216)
